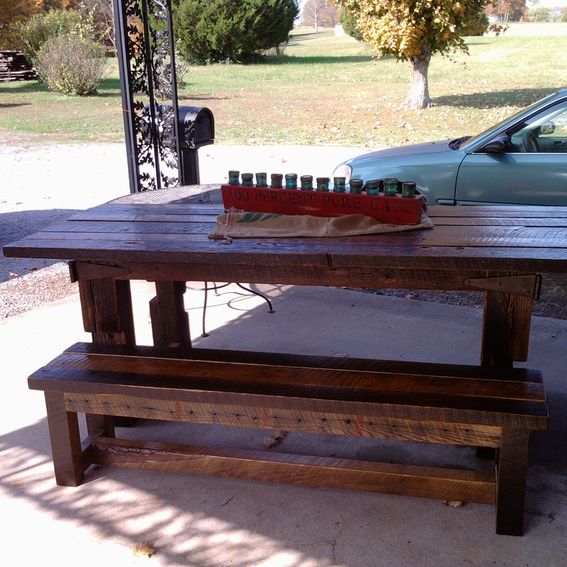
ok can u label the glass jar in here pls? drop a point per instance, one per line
(390, 186)
(306, 182)
(247, 179)
(356, 186)
(339, 184)
(276, 180)
(234, 177)
(291, 180)
(373, 186)
(261, 179)
(323, 183)
(408, 189)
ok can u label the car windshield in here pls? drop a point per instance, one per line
(471, 140)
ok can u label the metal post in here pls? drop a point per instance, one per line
(146, 60)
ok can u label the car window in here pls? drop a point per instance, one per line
(545, 132)
(472, 140)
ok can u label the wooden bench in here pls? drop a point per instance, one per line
(433, 403)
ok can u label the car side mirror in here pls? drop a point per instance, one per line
(497, 145)
(547, 128)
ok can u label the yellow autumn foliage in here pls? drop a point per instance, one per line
(404, 28)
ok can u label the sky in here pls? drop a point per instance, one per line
(550, 3)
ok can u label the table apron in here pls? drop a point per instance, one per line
(360, 277)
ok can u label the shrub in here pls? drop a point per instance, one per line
(348, 22)
(540, 14)
(38, 29)
(71, 65)
(210, 31)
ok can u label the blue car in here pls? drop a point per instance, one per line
(520, 161)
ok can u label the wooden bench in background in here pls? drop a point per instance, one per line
(432, 403)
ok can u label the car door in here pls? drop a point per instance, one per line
(532, 170)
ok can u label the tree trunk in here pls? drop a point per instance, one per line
(419, 89)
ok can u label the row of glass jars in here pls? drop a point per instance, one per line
(389, 186)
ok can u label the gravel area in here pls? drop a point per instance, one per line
(35, 289)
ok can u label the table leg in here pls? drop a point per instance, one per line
(506, 328)
(505, 336)
(170, 322)
(106, 306)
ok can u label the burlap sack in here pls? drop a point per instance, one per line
(239, 224)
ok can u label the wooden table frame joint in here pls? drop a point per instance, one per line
(525, 285)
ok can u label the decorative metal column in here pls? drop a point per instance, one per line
(148, 82)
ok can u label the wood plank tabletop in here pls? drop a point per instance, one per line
(134, 229)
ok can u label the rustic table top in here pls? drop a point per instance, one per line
(172, 226)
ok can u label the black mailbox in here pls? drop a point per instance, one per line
(196, 129)
(196, 126)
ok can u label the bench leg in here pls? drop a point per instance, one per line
(511, 475)
(65, 441)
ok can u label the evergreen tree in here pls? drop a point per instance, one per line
(210, 31)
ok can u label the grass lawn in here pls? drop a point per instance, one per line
(323, 90)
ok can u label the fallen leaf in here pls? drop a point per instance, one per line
(454, 503)
(145, 549)
(275, 439)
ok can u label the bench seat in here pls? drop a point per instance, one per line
(431, 403)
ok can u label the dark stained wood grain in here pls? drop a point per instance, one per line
(106, 306)
(429, 482)
(525, 239)
(457, 405)
(511, 474)
(170, 322)
(493, 405)
(310, 361)
(242, 375)
(107, 310)
(443, 235)
(506, 328)
(308, 419)
(65, 441)
(281, 389)
(470, 235)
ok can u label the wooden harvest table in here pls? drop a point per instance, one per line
(162, 237)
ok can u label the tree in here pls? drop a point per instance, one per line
(102, 16)
(414, 30)
(211, 31)
(10, 12)
(350, 25)
(319, 13)
(507, 10)
(540, 14)
(477, 24)
(13, 12)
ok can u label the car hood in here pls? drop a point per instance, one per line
(413, 149)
